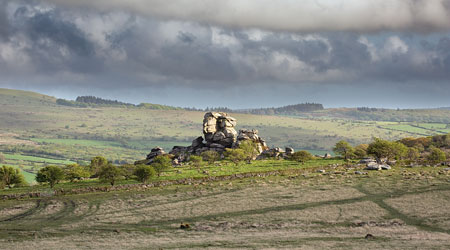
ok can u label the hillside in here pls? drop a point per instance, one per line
(35, 131)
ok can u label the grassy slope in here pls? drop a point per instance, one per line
(127, 134)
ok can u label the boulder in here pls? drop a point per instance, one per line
(251, 135)
(156, 151)
(373, 166)
(366, 160)
(327, 156)
(218, 128)
(198, 143)
(289, 151)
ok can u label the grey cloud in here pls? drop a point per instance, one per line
(294, 16)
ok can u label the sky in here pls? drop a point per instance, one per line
(233, 53)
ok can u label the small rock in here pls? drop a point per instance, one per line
(358, 172)
(385, 167)
(321, 171)
(369, 237)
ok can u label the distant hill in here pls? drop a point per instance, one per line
(287, 110)
(21, 97)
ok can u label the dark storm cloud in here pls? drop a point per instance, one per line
(118, 49)
(294, 16)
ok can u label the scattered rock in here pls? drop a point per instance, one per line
(289, 151)
(366, 160)
(385, 167)
(373, 166)
(185, 226)
(369, 237)
(327, 156)
(157, 151)
(321, 171)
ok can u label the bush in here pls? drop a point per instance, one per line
(250, 149)
(210, 156)
(11, 176)
(96, 164)
(386, 149)
(128, 171)
(109, 173)
(144, 173)
(361, 150)
(412, 154)
(76, 172)
(235, 155)
(50, 174)
(196, 161)
(161, 163)
(2, 158)
(302, 156)
(436, 156)
(344, 149)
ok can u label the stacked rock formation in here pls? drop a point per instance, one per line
(219, 134)
(245, 135)
(218, 129)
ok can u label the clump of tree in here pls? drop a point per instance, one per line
(144, 173)
(161, 163)
(302, 156)
(96, 164)
(101, 101)
(10, 176)
(51, 175)
(110, 173)
(361, 150)
(436, 156)
(210, 156)
(344, 149)
(386, 149)
(76, 172)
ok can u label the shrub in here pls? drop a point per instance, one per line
(412, 154)
(344, 149)
(50, 174)
(235, 155)
(361, 150)
(144, 173)
(76, 172)
(250, 149)
(210, 156)
(386, 149)
(196, 161)
(436, 156)
(161, 163)
(96, 164)
(109, 173)
(11, 176)
(302, 156)
(2, 158)
(128, 171)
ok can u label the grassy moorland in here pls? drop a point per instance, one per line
(335, 208)
(35, 131)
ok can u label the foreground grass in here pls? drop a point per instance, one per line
(306, 209)
(187, 171)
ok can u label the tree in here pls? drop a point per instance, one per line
(76, 172)
(412, 154)
(96, 164)
(436, 156)
(361, 150)
(11, 176)
(196, 161)
(50, 174)
(235, 155)
(128, 171)
(250, 149)
(144, 173)
(344, 149)
(385, 149)
(161, 163)
(302, 156)
(109, 173)
(210, 156)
